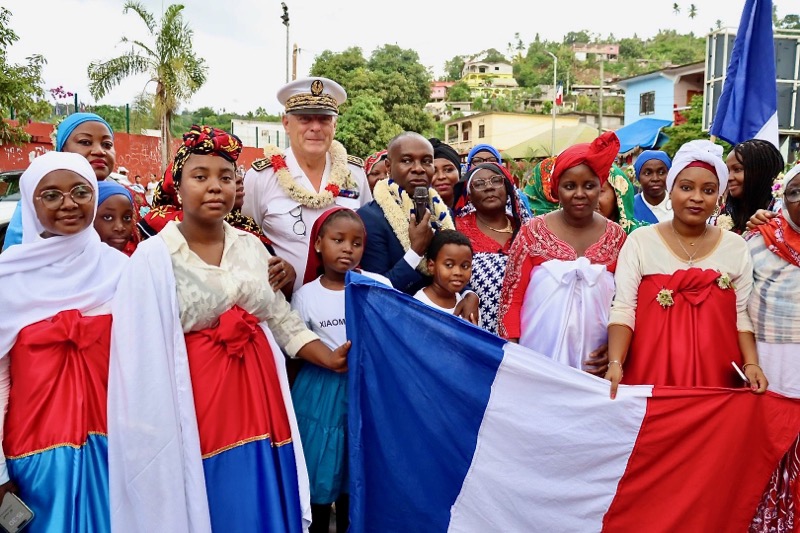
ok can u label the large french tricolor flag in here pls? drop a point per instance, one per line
(748, 105)
(454, 429)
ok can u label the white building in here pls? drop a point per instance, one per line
(257, 134)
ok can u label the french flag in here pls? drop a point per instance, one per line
(454, 429)
(560, 95)
(748, 105)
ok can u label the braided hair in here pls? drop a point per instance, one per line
(762, 163)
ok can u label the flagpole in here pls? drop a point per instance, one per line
(555, 95)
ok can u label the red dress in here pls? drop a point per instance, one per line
(685, 333)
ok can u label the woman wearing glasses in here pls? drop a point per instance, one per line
(54, 348)
(491, 220)
(483, 153)
(559, 281)
(775, 312)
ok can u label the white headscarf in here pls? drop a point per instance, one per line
(700, 150)
(42, 277)
(792, 174)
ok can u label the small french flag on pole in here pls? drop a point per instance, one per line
(560, 94)
(748, 105)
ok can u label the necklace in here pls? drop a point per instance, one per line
(680, 242)
(340, 182)
(507, 229)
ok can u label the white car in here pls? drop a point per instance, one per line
(9, 198)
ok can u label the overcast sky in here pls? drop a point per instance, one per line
(244, 41)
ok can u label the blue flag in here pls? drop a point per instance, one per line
(748, 106)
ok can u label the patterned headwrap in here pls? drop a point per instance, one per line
(377, 157)
(538, 188)
(204, 140)
(598, 155)
(625, 193)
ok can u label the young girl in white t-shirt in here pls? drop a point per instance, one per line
(320, 395)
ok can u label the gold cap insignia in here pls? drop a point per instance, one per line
(316, 87)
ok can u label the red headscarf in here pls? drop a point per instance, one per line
(782, 239)
(314, 262)
(377, 157)
(598, 155)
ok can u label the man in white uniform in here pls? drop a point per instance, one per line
(316, 172)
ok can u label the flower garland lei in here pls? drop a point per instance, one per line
(398, 208)
(340, 182)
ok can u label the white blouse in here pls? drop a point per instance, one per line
(646, 252)
(206, 291)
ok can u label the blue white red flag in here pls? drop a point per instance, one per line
(560, 95)
(454, 429)
(748, 105)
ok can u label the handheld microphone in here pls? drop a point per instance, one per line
(420, 202)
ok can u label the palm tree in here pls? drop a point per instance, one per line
(676, 9)
(692, 11)
(172, 64)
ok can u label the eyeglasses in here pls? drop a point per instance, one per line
(53, 198)
(479, 160)
(479, 184)
(791, 196)
(299, 227)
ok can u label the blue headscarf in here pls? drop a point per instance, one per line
(108, 188)
(483, 148)
(68, 125)
(649, 155)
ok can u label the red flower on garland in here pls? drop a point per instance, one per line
(333, 189)
(278, 162)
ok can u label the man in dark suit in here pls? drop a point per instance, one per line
(410, 165)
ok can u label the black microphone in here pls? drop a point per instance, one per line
(420, 202)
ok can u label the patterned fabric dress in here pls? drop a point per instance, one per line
(775, 249)
(488, 269)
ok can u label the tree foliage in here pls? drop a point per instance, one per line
(386, 94)
(459, 92)
(170, 62)
(21, 91)
(454, 68)
(690, 130)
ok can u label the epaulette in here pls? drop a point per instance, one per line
(261, 164)
(357, 161)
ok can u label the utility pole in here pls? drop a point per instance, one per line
(295, 50)
(555, 90)
(600, 117)
(285, 19)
